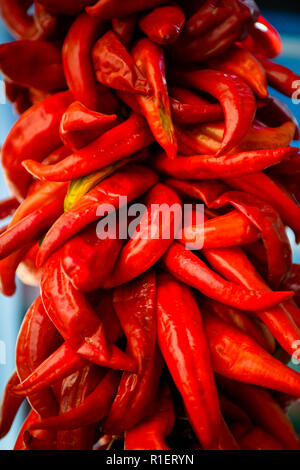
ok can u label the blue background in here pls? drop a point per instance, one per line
(12, 310)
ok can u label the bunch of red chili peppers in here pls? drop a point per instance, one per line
(142, 343)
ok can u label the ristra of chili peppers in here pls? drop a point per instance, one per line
(180, 331)
(135, 305)
(76, 320)
(151, 432)
(36, 134)
(149, 58)
(131, 182)
(152, 238)
(120, 142)
(115, 67)
(188, 268)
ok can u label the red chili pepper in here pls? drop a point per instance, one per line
(292, 281)
(39, 64)
(8, 207)
(264, 410)
(263, 40)
(251, 364)
(242, 63)
(197, 167)
(76, 321)
(10, 405)
(281, 78)
(262, 186)
(124, 28)
(22, 25)
(117, 8)
(8, 268)
(131, 182)
(68, 6)
(149, 58)
(233, 264)
(151, 432)
(77, 61)
(209, 15)
(189, 108)
(180, 333)
(152, 237)
(275, 113)
(80, 126)
(120, 142)
(235, 97)
(163, 25)
(36, 134)
(115, 67)
(188, 268)
(31, 418)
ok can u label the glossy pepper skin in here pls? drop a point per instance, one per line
(117, 8)
(180, 329)
(36, 134)
(163, 25)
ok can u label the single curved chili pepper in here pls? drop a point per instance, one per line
(77, 61)
(180, 332)
(273, 232)
(264, 40)
(40, 25)
(54, 157)
(39, 64)
(197, 167)
(275, 113)
(8, 268)
(233, 264)
(31, 418)
(262, 186)
(151, 432)
(235, 97)
(36, 443)
(69, 7)
(236, 356)
(163, 25)
(115, 68)
(29, 228)
(206, 191)
(120, 142)
(117, 8)
(135, 306)
(242, 63)
(280, 77)
(264, 410)
(188, 268)
(35, 134)
(151, 238)
(76, 321)
(243, 322)
(149, 58)
(212, 43)
(131, 182)
(92, 409)
(10, 405)
(124, 28)
(80, 126)
(255, 438)
(8, 207)
(232, 229)
(64, 361)
(88, 261)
